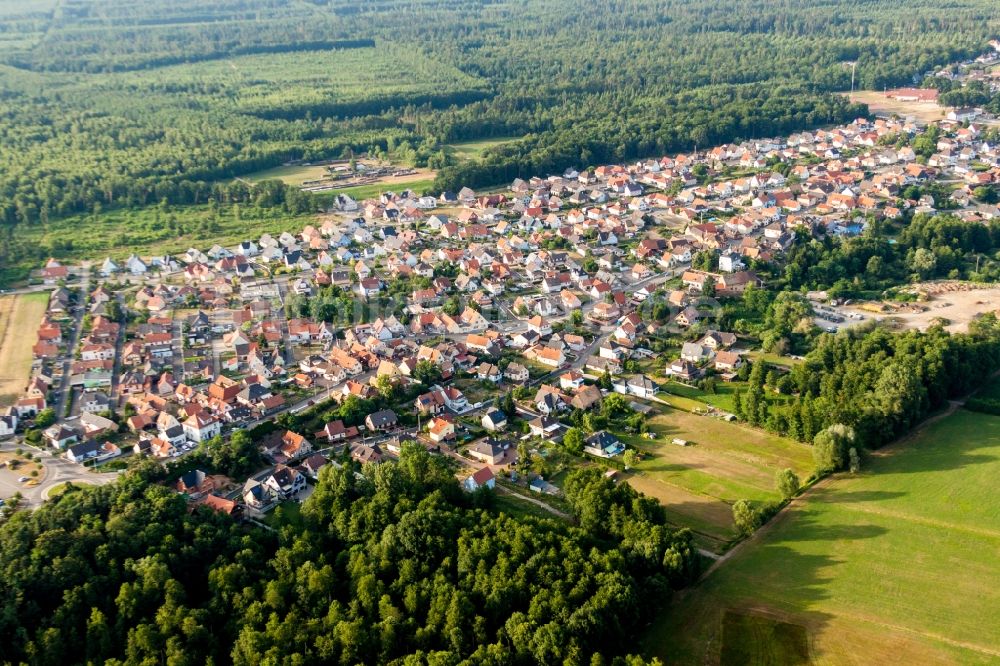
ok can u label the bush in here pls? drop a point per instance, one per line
(984, 405)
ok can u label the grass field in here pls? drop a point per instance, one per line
(473, 150)
(19, 318)
(878, 103)
(895, 565)
(723, 462)
(146, 231)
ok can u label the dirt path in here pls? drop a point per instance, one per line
(556, 512)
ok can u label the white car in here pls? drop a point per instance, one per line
(23, 479)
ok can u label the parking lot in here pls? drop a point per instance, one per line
(831, 319)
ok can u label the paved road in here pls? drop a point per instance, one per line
(67, 358)
(58, 470)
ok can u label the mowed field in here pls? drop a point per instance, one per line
(473, 150)
(878, 103)
(897, 565)
(19, 318)
(722, 463)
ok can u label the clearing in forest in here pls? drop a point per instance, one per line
(878, 103)
(895, 565)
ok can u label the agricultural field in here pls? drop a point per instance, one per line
(723, 462)
(889, 566)
(19, 318)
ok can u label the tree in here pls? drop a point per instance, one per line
(385, 387)
(426, 372)
(452, 306)
(45, 418)
(854, 460)
(507, 405)
(830, 447)
(986, 194)
(745, 517)
(787, 483)
(576, 317)
(630, 458)
(573, 440)
(923, 262)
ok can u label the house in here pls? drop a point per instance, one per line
(640, 386)
(694, 352)
(489, 372)
(570, 381)
(336, 430)
(494, 420)
(385, 419)
(484, 478)
(201, 427)
(548, 356)
(488, 451)
(196, 484)
(544, 426)
(685, 370)
(364, 454)
(59, 436)
(441, 429)
(586, 397)
(294, 445)
(285, 482)
(257, 496)
(83, 451)
(313, 464)
(220, 505)
(603, 445)
(516, 373)
(8, 424)
(549, 400)
(727, 361)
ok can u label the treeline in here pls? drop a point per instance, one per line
(621, 81)
(874, 381)
(928, 247)
(398, 566)
(590, 134)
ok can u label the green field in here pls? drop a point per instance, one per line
(473, 150)
(895, 565)
(723, 462)
(145, 231)
(290, 175)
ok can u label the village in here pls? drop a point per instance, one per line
(471, 323)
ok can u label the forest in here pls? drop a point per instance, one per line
(107, 103)
(397, 566)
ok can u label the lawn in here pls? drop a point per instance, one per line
(722, 463)
(895, 565)
(19, 319)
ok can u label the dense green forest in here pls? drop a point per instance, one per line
(399, 566)
(112, 102)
